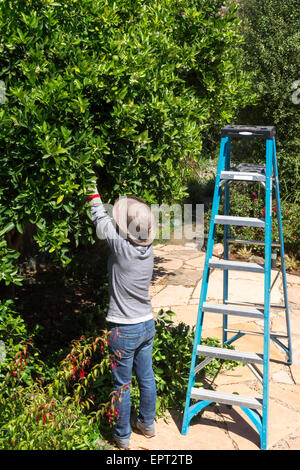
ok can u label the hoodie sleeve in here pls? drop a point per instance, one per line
(105, 228)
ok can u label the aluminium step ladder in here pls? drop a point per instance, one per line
(267, 175)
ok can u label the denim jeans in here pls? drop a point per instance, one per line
(131, 347)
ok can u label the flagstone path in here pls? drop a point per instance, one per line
(176, 285)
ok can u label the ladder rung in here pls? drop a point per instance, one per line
(227, 398)
(257, 304)
(259, 333)
(237, 265)
(251, 242)
(230, 354)
(225, 309)
(242, 176)
(233, 220)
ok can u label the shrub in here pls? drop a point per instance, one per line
(272, 50)
(130, 87)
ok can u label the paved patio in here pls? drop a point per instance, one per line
(176, 285)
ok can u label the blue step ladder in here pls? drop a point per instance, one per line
(197, 399)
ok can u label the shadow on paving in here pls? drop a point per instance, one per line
(227, 419)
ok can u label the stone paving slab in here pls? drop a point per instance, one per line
(252, 343)
(295, 367)
(293, 293)
(174, 294)
(234, 376)
(242, 286)
(293, 442)
(279, 321)
(197, 262)
(201, 436)
(184, 277)
(286, 394)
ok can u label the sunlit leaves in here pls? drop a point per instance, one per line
(129, 87)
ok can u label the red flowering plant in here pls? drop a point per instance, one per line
(34, 421)
(85, 374)
(19, 365)
(22, 363)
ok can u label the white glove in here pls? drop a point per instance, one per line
(93, 194)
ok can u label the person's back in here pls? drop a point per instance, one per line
(130, 269)
(130, 274)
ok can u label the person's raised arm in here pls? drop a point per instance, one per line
(105, 228)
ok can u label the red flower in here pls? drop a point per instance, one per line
(294, 236)
(109, 416)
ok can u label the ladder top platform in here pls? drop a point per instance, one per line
(264, 132)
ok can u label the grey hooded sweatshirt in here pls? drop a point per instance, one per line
(130, 270)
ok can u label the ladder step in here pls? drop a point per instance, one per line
(237, 265)
(242, 176)
(227, 398)
(251, 242)
(239, 310)
(230, 354)
(233, 220)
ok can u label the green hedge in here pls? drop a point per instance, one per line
(272, 50)
(128, 86)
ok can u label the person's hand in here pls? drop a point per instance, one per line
(93, 195)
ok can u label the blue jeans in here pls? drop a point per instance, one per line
(131, 347)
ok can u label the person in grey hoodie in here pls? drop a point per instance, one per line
(129, 319)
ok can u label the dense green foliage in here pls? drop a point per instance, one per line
(272, 50)
(130, 87)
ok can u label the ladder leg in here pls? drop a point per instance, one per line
(226, 246)
(215, 207)
(267, 286)
(283, 269)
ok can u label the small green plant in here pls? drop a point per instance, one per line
(244, 253)
(291, 263)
